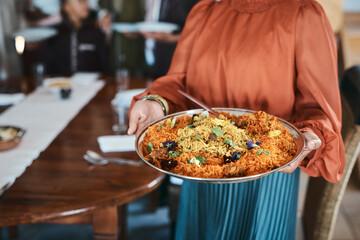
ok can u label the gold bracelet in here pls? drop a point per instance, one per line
(160, 100)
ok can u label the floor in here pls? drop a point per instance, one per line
(348, 221)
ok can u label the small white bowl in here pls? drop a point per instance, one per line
(55, 84)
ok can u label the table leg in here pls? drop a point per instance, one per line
(110, 223)
(154, 199)
(13, 232)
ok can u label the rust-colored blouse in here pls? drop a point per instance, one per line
(273, 55)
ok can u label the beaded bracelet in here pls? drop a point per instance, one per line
(160, 100)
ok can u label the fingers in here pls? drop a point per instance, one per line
(133, 122)
(312, 141)
(140, 127)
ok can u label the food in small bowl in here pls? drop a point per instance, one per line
(10, 137)
(56, 84)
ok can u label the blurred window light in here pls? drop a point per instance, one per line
(19, 44)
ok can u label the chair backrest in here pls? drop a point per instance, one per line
(350, 86)
(323, 199)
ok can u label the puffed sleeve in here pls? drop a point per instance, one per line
(175, 79)
(318, 106)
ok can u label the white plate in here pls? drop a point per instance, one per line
(157, 27)
(7, 99)
(35, 34)
(125, 27)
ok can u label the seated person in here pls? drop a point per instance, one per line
(79, 46)
(44, 13)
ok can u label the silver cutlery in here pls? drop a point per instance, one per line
(199, 103)
(96, 159)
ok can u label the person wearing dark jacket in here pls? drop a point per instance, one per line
(173, 11)
(79, 46)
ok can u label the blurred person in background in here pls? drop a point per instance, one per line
(79, 46)
(160, 46)
(44, 13)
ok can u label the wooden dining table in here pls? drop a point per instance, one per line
(61, 187)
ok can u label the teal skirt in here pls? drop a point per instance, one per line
(260, 209)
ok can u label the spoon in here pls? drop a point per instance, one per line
(96, 159)
(197, 102)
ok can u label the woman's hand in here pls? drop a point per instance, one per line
(312, 142)
(143, 113)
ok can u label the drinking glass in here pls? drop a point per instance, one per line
(120, 114)
(122, 78)
(38, 73)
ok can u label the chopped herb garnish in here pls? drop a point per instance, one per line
(197, 137)
(201, 159)
(185, 138)
(263, 151)
(190, 126)
(231, 143)
(174, 154)
(150, 147)
(217, 131)
(160, 127)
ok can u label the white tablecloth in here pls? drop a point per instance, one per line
(43, 115)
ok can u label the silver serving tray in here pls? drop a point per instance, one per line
(299, 140)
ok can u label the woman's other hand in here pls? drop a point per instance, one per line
(162, 37)
(143, 113)
(312, 142)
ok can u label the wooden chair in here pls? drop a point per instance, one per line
(350, 86)
(323, 199)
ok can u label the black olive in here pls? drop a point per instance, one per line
(168, 164)
(227, 159)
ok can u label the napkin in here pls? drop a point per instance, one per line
(84, 78)
(125, 97)
(117, 143)
(11, 98)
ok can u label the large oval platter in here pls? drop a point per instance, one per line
(299, 140)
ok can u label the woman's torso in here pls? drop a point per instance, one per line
(246, 57)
